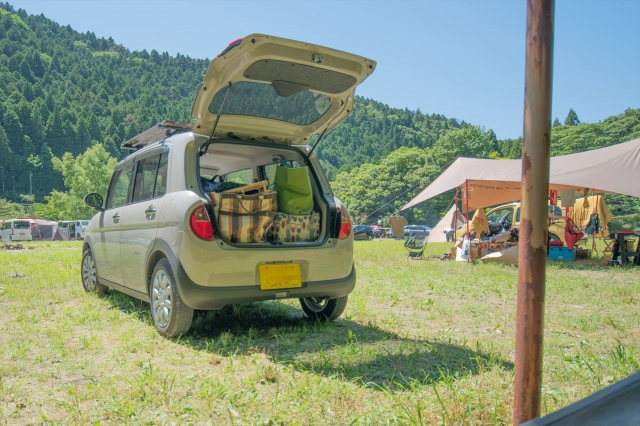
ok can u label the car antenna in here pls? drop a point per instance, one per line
(206, 147)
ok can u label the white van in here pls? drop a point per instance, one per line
(80, 229)
(16, 230)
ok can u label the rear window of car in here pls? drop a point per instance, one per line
(262, 100)
(21, 225)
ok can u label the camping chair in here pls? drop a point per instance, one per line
(416, 244)
(572, 233)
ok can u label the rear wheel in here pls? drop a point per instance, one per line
(369, 237)
(170, 315)
(322, 308)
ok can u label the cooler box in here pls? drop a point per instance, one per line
(562, 254)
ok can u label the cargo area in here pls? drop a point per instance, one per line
(264, 195)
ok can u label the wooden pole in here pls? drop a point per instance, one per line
(532, 250)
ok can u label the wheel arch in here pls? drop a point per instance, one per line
(160, 249)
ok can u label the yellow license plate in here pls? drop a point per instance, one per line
(22, 233)
(275, 277)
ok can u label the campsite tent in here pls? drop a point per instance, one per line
(46, 230)
(436, 235)
(614, 169)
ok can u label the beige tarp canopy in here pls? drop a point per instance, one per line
(436, 235)
(614, 169)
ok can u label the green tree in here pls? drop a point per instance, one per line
(13, 129)
(36, 131)
(556, 122)
(572, 118)
(88, 172)
(9, 210)
(55, 133)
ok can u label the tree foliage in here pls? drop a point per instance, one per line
(88, 172)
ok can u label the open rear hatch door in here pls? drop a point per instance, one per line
(277, 90)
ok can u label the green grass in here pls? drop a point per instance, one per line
(421, 342)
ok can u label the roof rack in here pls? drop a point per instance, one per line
(160, 131)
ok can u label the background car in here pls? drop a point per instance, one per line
(410, 230)
(363, 232)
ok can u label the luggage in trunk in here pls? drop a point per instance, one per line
(291, 228)
(245, 218)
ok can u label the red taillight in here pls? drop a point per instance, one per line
(201, 224)
(345, 224)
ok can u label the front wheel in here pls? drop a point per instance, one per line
(322, 308)
(170, 315)
(370, 237)
(89, 274)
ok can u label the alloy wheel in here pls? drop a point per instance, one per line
(89, 278)
(161, 298)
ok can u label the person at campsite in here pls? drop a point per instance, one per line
(449, 233)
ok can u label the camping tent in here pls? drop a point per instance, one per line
(614, 169)
(436, 235)
(47, 230)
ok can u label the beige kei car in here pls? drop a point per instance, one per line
(156, 237)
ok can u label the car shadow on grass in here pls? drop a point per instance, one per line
(342, 349)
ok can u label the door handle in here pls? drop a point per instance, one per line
(150, 212)
(116, 218)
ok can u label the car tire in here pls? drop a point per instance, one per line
(369, 237)
(323, 309)
(169, 313)
(89, 274)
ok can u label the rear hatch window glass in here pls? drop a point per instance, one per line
(21, 225)
(262, 100)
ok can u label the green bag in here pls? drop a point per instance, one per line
(294, 190)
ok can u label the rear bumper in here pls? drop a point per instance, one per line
(210, 298)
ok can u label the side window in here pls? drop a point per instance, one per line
(161, 179)
(518, 215)
(145, 178)
(120, 188)
(244, 177)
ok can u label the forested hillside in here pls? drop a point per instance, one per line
(63, 91)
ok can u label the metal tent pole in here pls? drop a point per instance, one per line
(466, 203)
(532, 252)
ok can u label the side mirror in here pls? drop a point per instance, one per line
(94, 200)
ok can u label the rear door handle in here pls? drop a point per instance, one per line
(150, 212)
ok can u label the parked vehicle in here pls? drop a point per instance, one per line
(16, 230)
(363, 232)
(507, 217)
(159, 237)
(410, 230)
(66, 227)
(80, 229)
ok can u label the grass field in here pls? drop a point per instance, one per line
(421, 342)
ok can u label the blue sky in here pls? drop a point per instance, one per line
(463, 59)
